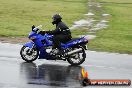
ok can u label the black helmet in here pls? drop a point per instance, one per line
(56, 19)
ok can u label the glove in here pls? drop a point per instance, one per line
(42, 32)
(48, 32)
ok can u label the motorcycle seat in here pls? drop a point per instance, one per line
(73, 39)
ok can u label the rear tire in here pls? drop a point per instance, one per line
(29, 57)
(81, 60)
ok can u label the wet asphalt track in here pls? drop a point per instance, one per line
(15, 73)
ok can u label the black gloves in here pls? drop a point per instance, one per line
(42, 32)
(49, 32)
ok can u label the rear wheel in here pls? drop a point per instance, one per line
(77, 58)
(28, 54)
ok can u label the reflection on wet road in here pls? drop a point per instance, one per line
(19, 74)
(50, 75)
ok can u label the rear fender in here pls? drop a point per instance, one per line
(78, 42)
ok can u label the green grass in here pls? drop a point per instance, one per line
(17, 16)
(118, 36)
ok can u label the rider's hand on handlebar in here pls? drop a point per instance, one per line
(42, 32)
(49, 32)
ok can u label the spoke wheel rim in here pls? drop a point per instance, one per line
(27, 56)
(77, 58)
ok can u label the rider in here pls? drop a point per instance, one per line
(61, 33)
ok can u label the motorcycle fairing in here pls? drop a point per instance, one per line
(29, 44)
(43, 54)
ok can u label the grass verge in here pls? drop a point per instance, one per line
(17, 16)
(118, 36)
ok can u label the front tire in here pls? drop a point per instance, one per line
(77, 58)
(29, 56)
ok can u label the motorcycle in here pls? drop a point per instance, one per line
(40, 47)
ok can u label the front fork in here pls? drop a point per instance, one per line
(30, 50)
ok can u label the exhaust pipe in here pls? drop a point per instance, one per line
(74, 51)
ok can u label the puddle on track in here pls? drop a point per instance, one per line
(91, 23)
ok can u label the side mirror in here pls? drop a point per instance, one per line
(33, 27)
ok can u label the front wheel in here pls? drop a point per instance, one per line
(77, 58)
(28, 54)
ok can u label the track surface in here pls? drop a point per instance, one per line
(15, 73)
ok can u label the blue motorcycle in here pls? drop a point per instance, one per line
(40, 47)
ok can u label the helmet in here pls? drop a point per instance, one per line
(56, 19)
